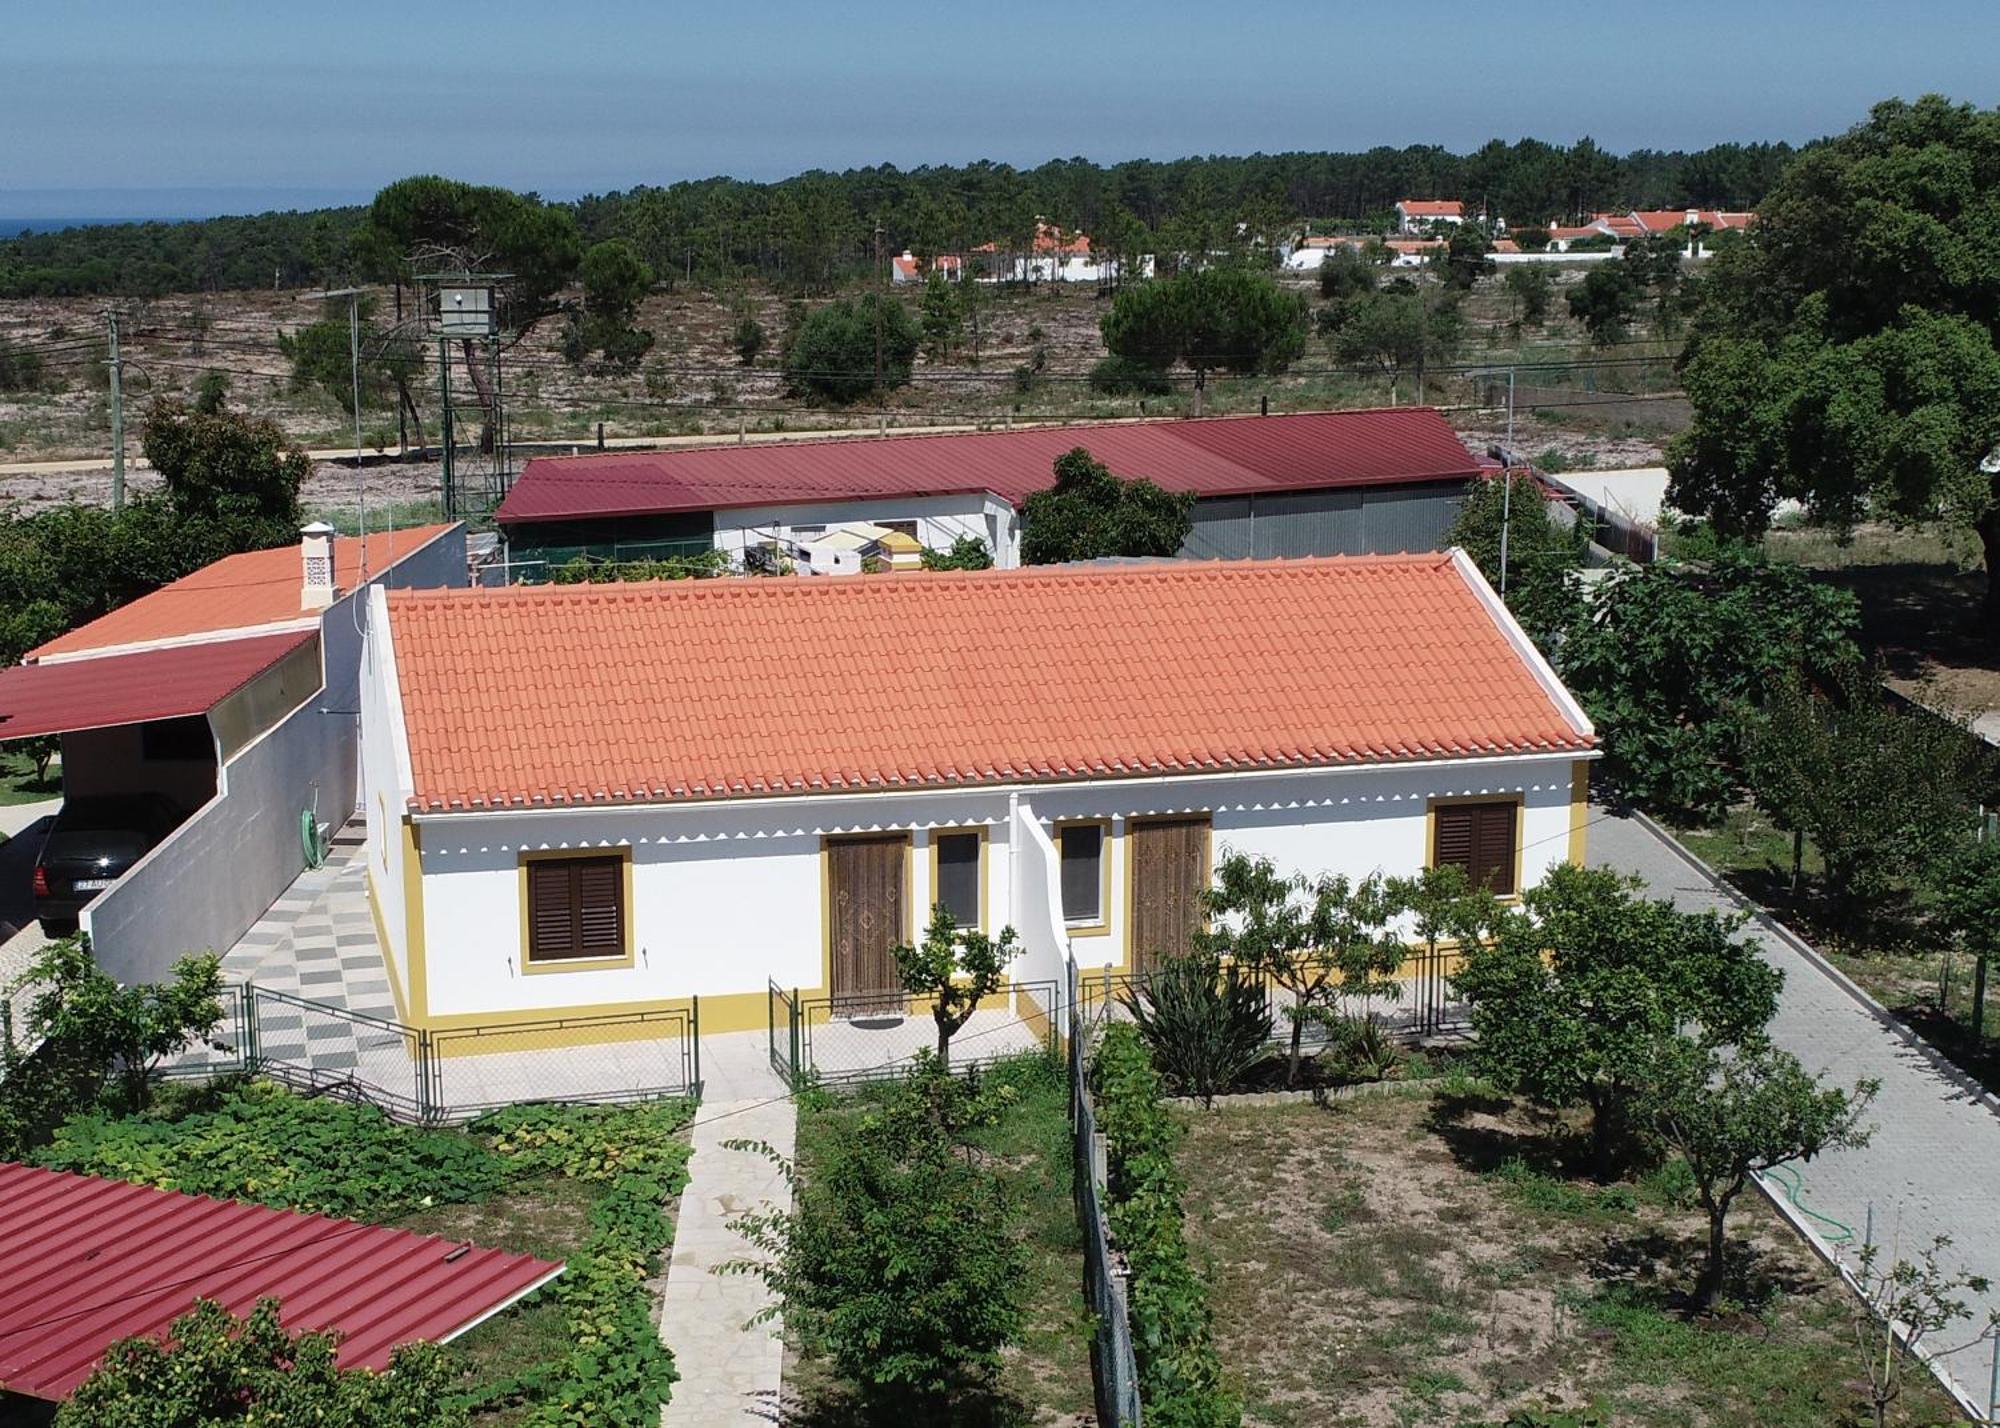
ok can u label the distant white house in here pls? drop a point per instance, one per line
(906, 267)
(1056, 257)
(1416, 215)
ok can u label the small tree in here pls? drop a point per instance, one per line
(224, 464)
(213, 1368)
(965, 553)
(1089, 514)
(955, 968)
(1904, 1305)
(898, 1259)
(1345, 275)
(1443, 907)
(1398, 331)
(1205, 1024)
(1466, 257)
(1321, 942)
(1605, 303)
(1531, 286)
(1967, 882)
(942, 317)
(747, 339)
(615, 279)
(1580, 994)
(1732, 1116)
(1880, 790)
(1227, 318)
(1543, 553)
(837, 352)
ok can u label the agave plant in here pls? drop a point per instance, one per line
(1205, 1024)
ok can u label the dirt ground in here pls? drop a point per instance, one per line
(1399, 1260)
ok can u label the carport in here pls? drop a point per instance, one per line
(159, 721)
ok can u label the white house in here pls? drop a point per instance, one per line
(618, 797)
(1416, 215)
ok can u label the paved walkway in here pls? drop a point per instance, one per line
(731, 1370)
(1933, 1164)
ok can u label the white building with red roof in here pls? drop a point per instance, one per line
(1417, 215)
(587, 799)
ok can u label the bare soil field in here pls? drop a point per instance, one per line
(1407, 1259)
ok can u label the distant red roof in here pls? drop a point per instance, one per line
(1432, 207)
(1217, 456)
(544, 696)
(85, 1262)
(135, 687)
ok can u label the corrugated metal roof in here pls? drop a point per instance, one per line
(625, 693)
(1218, 456)
(132, 688)
(238, 592)
(85, 1262)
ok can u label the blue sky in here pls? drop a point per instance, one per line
(113, 107)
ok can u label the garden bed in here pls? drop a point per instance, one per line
(1045, 1377)
(1409, 1259)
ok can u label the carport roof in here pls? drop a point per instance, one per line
(85, 1262)
(134, 688)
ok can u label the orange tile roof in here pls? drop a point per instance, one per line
(1432, 207)
(239, 592)
(568, 694)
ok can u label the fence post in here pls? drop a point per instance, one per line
(252, 1055)
(792, 1078)
(695, 1032)
(426, 1102)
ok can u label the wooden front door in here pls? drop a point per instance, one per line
(1169, 870)
(867, 915)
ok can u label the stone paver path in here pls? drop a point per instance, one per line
(318, 939)
(731, 1371)
(1933, 1164)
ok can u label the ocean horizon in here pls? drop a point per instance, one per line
(15, 227)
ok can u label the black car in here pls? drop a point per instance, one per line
(92, 843)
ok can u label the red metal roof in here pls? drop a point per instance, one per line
(85, 1262)
(538, 696)
(1218, 456)
(133, 688)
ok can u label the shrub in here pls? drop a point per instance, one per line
(1124, 377)
(1204, 1025)
(1180, 1374)
(214, 1368)
(897, 1260)
(833, 355)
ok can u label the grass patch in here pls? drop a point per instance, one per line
(1046, 1375)
(1427, 1277)
(18, 783)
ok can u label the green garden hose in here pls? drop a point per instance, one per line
(310, 840)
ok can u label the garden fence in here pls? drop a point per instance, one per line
(440, 1076)
(864, 1036)
(1424, 1003)
(1114, 1371)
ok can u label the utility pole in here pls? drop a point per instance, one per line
(1507, 475)
(117, 415)
(881, 298)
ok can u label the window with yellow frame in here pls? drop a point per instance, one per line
(958, 874)
(576, 910)
(1083, 848)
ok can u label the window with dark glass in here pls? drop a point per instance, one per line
(576, 909)
(1082, 846)
(1478, 837)
(958, 876)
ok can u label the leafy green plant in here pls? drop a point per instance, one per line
(955, 969)
(213, 1368)
(966, 553)
(1180, 1374)
(896, 1260)
(1205, 1024)
(1090, 513)
(100, 1043)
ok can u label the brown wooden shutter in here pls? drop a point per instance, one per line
(600, 885)
(1480, 838)
(551, 911)
(576, 908)
(1454, 837)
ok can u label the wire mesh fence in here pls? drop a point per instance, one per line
(454, 1074)
(1114, 1370)
(1421, 1001)
(864, 1036)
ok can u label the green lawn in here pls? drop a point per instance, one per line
(1046, 1379)
(1406, 1259)
(18, 783)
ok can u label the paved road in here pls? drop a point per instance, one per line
(1933, 1164)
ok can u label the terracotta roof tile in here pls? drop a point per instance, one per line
(238, 592)
(553, 695)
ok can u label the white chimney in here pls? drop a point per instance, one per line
(316, 548)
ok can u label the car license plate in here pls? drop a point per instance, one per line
(92, 884)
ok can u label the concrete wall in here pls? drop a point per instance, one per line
(216, 875)
(726, 897)
(940, 521)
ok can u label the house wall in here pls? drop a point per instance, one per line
(209, 882)
(1379, 520)
(727, 897)
(940, 521)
